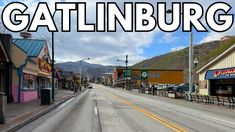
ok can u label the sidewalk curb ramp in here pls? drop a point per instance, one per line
(19, 125)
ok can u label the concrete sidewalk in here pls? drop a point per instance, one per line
(19, 114)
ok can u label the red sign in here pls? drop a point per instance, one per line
(224, 72)
(28, 77)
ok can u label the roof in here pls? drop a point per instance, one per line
(149, 69)
(32, 47)
(31, 61)
(232, 48)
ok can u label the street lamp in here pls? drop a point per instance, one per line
(195, 62)
(126, 61)
(80, 70)
(53, 63)
(190, 59)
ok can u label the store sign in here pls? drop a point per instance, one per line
(220, 73)
(44, 66)
(127, 73)
(144, 74)
(226, 72)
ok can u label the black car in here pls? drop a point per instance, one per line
(184, 87)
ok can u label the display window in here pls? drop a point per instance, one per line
(29, 82)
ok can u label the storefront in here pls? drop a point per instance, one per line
(33, 71)
(153, 76)
(217, 78)
(29, 89)
(44, 74)
(222, 81)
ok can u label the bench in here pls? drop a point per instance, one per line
(209, 99)
(231, 102)
(193, 97)
(180, 95)
(223, 100)
(199, 98)
(186, 96)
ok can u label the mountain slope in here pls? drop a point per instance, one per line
(179, 60)
(92, 70)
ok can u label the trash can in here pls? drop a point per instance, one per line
(3, 105)
(46, 96)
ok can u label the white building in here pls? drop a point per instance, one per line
(218, 76)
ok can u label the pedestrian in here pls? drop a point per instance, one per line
(142, 88)
(196, 88)
(153, 89)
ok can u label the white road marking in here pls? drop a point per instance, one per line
(96, 110)
(219, 119)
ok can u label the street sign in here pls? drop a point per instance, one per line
(144, 74)
(127, 73)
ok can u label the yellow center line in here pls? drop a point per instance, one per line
(148, 113)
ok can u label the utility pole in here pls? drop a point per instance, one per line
(190, 64)
(190, 59)
(126, 70)
(53, 67)
(80, 71)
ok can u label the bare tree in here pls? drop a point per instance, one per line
(2, 28)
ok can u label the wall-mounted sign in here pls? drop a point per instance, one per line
(225, 72)
(144, 74)
(220, 73)
(127, 73)
(44, 66)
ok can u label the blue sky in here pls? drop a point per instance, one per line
(159, 46)
(106, 48)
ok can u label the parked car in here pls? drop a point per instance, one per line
(170, 87)
(90, 86)
(184, 87)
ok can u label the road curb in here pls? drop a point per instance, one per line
(36, 116)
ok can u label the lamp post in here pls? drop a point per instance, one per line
(53, 63)
(126, 68)
(80, 70)
(190, 59)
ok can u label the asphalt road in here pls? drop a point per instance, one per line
(104, 109)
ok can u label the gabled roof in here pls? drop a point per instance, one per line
(232, 48)
(32, 47)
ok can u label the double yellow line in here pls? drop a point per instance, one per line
(149, 114)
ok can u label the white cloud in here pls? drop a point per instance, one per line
(106, 48)
(217, 36)
(168, 38)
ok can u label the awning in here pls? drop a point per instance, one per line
(30, 72)
(44, 74)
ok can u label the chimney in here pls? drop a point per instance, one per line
(25, 35)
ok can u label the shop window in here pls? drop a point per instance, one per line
(29, 82)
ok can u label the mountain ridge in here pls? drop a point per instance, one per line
(91, 70)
